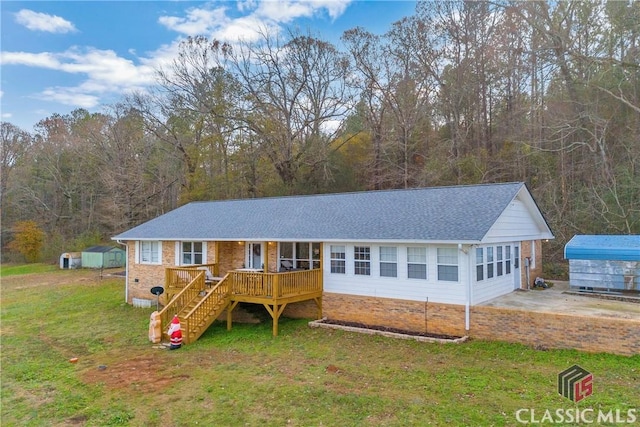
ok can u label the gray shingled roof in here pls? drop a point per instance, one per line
(438, 214)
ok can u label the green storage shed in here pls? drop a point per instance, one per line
(103, 257)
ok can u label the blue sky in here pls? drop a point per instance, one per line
(57, 56)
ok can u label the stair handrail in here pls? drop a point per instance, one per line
(197, 321)
(214, 290)
(181, 299)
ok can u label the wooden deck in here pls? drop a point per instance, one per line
(198, 302)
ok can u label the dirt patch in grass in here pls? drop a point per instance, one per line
(148, 373)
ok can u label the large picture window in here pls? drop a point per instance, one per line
(362, 260)
(388, 261)
(417, 263)
(448, 264)
(191, 253)
(338, 259)
(149, 252)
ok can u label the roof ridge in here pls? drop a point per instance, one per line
(355, 193)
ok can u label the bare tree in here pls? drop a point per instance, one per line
(295, 97)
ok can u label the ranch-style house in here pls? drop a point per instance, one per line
(414, 259)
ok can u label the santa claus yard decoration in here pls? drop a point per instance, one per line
(175, 334)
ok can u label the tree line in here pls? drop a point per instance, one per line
(460, 92)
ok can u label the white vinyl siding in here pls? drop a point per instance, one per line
(498, 258)
(401, 287)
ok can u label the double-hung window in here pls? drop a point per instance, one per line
(338, 259)
(479, 264)
(388, 261)
(507, 259)
(149, 252)
(417, 263)
(448, 264)
(499, 260)
(489, 262)
(191, 253)
(362, 260)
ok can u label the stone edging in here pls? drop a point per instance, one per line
(320, 324)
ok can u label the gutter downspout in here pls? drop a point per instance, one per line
(126, 270)
(467, 305)
(467, 319)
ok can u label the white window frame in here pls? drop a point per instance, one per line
(362, 260)
(443, 260)
(141, 252)
(388, 260)
(491, 268)
(422, 260)
(203, 254)
(480, 264)
(336, 261)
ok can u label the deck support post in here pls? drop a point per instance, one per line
(275, 311)
(318, 301)
(230, 308)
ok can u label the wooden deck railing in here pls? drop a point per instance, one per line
(198, 303)
(182, 298)
(275, 285)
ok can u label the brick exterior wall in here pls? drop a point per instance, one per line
(540, 330)
(413, 316)
(526, 252)
(231, 256)
(554, 330)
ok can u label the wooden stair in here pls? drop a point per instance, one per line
(197, 306)
(201, 312)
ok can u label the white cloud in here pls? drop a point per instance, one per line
(69, 96)
(270, 15)
(37, 21)
(197, 22)
(100, 66)
(105, 73)
(7, 115)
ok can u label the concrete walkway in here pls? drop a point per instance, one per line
(557, 299)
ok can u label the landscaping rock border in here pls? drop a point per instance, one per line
(322, 323)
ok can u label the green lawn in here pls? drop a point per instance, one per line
(245, 377)
(15, 269)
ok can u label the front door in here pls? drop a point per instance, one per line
(254, 255)
(516, 267)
